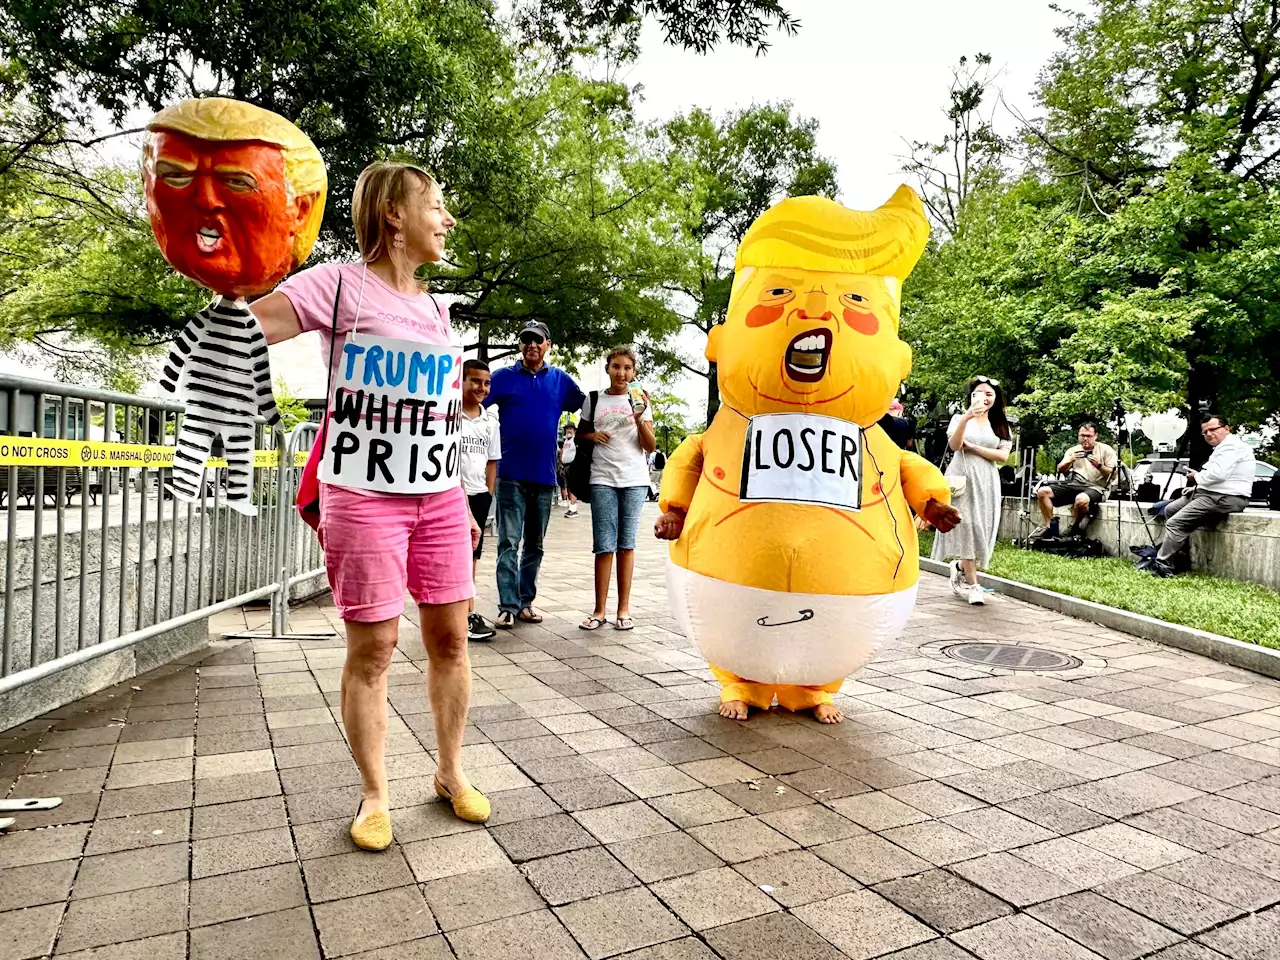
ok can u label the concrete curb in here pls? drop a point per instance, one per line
(1237, 653)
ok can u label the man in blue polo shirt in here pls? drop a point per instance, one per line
(530, 396)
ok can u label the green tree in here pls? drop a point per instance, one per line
(79, 270)
(565, 25)
(722, 174)
(1133, 253)
(362, 78)
(292, 410)
(552, 180)
(670, 423)
(584, 243)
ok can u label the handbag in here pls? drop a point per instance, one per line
(308, 498)
(577, 473)
(957, 485)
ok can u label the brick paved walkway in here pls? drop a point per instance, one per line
(1130, 808)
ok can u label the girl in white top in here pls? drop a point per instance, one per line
(979, 440)
(622, 431)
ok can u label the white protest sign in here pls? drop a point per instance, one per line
(395, 417)
(803, 458)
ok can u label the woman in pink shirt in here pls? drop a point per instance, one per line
(377, 545)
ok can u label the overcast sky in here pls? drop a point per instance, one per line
(871, 74)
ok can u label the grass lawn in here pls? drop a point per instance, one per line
(1245, 611)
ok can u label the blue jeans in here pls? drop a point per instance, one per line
(615, 515)
(524, 510)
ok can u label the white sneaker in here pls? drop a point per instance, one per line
(958, 586)
(572, 511)
(976, 594)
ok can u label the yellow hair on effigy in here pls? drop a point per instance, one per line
(814, 233)
(219, 119)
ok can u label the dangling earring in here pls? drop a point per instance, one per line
(399, 240)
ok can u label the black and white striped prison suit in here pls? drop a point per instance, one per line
(219, 366)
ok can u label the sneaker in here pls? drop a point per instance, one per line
(976, 594)
(957, 579)
(1049, 531)
(572, 511)
(478, 630)
(1157, 568)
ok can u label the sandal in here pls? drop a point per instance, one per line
(529, 615)
(624, 623)
(505, 621)
(591, 623)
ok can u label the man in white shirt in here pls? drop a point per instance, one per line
(481, 444)
(1223, 485)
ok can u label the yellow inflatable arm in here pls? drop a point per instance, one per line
(680, 476)
(921, 482)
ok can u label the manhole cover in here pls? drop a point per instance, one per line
(1008, 656)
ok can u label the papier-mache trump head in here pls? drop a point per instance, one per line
(812, 324)
(235, 193)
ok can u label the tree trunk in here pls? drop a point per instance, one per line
(1200, 388)
(482, 347)
(713, 393)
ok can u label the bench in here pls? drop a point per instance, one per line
(26, 484)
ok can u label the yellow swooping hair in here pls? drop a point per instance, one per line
(220, 119)
(814, 233)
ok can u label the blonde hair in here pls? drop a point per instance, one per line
(814, 233)
(219, 119)
(382, 185)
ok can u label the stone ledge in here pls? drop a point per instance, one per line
(1236, 653)
(1244, 546)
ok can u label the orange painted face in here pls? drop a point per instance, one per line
(813, 342)
(221, 211)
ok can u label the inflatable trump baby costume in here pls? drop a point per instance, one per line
(796, 554)
(235, 195)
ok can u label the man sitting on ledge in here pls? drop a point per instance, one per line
(1223, 485)
(1089, 466)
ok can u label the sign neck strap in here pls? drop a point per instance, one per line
(364, 275)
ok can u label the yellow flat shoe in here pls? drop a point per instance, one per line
(372, 833)
(472, 806)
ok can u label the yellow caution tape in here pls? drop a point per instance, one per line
(33, 452)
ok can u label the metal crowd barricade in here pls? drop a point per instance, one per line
(297, 547)
(127, 562)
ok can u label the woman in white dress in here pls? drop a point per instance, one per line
(979, 440)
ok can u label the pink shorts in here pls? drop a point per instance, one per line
(377, 546)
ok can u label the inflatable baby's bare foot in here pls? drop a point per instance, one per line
(827, 713)
(734, 709)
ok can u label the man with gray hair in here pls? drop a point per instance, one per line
(530, 396)
(1222, 486)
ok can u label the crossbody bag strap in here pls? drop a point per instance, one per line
(328, 389)
(585, 421)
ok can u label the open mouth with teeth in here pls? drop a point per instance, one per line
(208, 239)
(808, 355)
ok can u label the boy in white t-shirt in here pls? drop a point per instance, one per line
(481, 444)
(567, 452)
